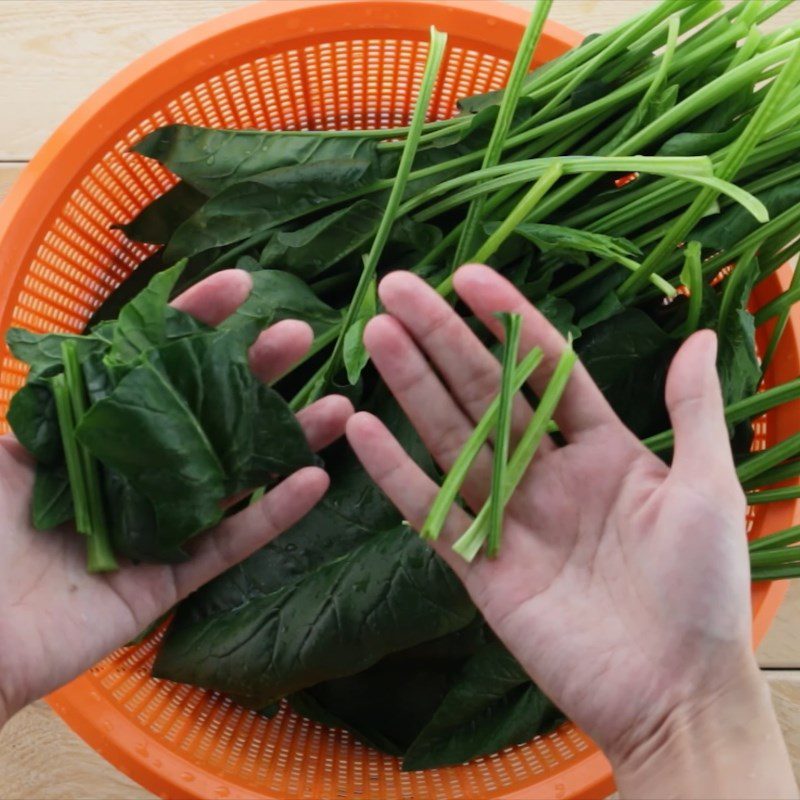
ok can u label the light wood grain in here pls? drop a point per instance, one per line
(53, 54)
(41, 758)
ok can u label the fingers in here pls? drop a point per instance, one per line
(441, 424)
(582, 407)
(694, 402)
(470, 370)
(278, 348)
(404, 483)
(242, 534)
(324, 421)
(214, 299)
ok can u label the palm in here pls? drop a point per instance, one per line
(615, 571)
(58, 620)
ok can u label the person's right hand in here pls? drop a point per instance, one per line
(622, 584)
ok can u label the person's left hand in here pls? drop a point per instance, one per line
(57, 620)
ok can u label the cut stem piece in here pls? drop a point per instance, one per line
(458, 472)
(472, 540)
(100, 556)
(513, 327)
(72, 456)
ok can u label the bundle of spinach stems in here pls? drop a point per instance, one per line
(635, 189)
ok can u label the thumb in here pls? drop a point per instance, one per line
(694, 401)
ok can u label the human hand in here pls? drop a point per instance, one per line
(57, 619)
(622, 584)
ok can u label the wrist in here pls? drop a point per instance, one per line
(724, 743)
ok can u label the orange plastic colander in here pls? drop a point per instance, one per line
(278, 64)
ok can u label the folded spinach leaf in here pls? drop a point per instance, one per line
(210, 159)
(352, 511)
(266, 200)
(390, 593)
(492, 704)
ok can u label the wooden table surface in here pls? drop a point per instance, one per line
(53, 53)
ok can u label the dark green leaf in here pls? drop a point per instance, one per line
(390, 593)
(700, 144)
(146, 431)
(491, 705)
(353, 510)
(267, 200)
(32, 417)
(628, 356)
(386, 706)
(311, 250)
(279, 295)
(52, 497)
(42, 351)
(249, 426)
(158, 221)
(724, 230)
(210, 160)
(571, 243)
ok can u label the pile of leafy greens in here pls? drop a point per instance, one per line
(601, 184)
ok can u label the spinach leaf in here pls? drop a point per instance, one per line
(390, 593)
(279, 295)
(52, 497)
(310, 250)
(491, 705)
(628, 356)
(42, 351)
(211, 160)
(156, 223)
(386, 706)
(251, 429)
(352, 511)
(724, 230)
(574, 244)
(700, 144)
(32, 417)
(146, 320)
(267, 200)
(146, 431)
(559, 313)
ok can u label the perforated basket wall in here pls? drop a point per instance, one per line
(274, 65)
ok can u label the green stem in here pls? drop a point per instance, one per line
(100, 555)
(736, 157)
(694, 283)
(458, 471)
(774, 558)
(505, 116)
(438, 41)
(775, 573)
(470, 543)
(783, 472)
(749, 407)
(775, 540)
(513, 327)
(760, 462)
(66, 424)
(773, 495)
